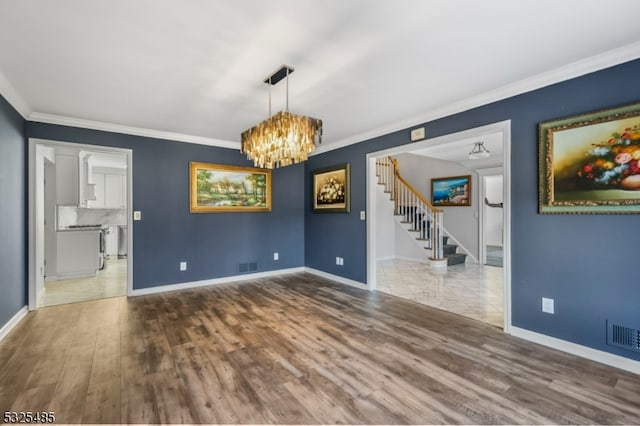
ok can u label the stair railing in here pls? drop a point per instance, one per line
(409, 203)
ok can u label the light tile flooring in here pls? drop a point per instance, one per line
(109, 282)
(474, 291)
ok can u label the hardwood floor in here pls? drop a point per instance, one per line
(295, 349)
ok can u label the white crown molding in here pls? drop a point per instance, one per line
(15, 320)
(602, 357)
(129, 130)
(576, 69)
(13, 97)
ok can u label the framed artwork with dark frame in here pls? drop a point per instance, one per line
(331, 189)
(451, 191)
(590, 163)
(216, 188)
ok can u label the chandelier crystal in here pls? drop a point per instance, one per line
(284, 138)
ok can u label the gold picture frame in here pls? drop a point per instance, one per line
(216, 188)
(590, 163)
(331, 189)
(452, 191)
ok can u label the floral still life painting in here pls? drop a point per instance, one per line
(591, 163)
(220, 188)
(331, 189)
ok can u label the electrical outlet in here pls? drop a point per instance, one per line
(183, 266)
(276, 256)
(137, 215)
(548, 305)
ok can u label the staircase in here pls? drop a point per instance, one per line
(417, 215)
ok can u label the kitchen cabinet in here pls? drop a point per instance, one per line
(67, 178)
(111, 242)
(110, 191)
(78, 253)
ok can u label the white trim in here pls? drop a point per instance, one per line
(503, 127)
(337, 278)
(13, 97)
(482, 173)
(576, 69)
(6, 329)
(602, 357)
(213, 281)
(129, 130)
(32, 271)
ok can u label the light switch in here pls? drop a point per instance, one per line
(137, 215)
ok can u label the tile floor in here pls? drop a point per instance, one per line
(109, 282)
(474, 291)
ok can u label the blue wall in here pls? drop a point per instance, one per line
(213, 244)
(13, 229)
(587, 263)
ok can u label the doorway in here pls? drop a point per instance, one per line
(444, 146)
(80, 198)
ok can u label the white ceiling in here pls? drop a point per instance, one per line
(194, 69)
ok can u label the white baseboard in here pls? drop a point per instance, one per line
(214, 281)
(6, 329)
(579, 350)
(341, 280)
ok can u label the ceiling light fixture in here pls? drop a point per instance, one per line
(283, 138)
(479, 151)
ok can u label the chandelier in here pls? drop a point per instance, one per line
(284, 138)
(479, 151)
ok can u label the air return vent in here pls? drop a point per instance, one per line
(623, 337)
(247, 267)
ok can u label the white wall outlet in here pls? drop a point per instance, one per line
(183, 266)
(362, 215)
(137, 215)
(276, 256)
(548, 305)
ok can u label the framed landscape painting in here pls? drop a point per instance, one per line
(218, 188)
(451, 191)
(331, 191)
(590, 163)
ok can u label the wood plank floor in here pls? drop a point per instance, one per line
(295, 349)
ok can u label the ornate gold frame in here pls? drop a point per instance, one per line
(592, 183)
(233, 198)
(319, 177)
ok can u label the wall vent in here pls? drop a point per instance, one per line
(623, 337)
(247, 267)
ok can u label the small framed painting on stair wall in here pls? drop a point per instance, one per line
(451, 191)
(331, 190)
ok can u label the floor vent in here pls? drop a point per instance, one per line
(247, 267)
(623, 337)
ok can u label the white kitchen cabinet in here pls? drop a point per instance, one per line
(67, 180)
(113, 196)
(109, 191)
(111, 242)
(78, 253)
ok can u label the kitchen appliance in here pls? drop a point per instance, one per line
(101, 252)
(122, 241)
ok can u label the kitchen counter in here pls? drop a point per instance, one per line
(78, 252)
